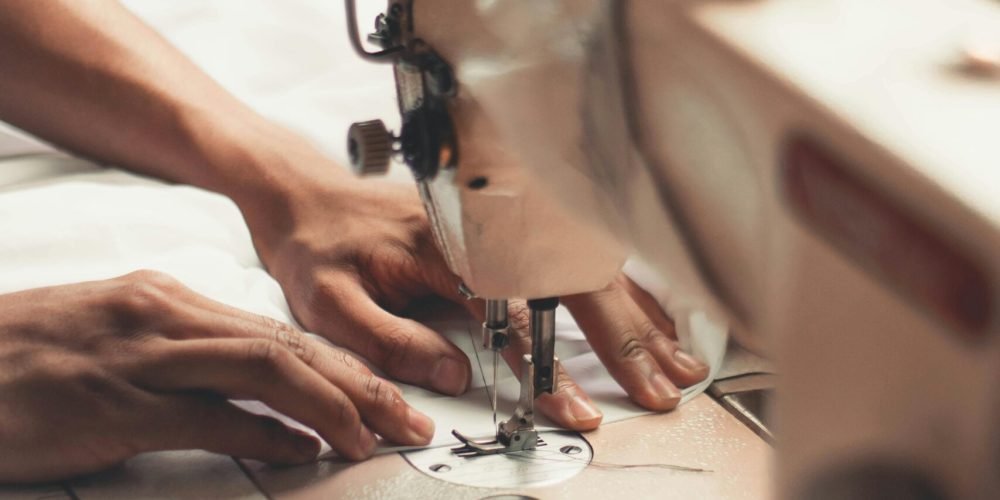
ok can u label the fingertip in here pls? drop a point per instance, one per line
(585, 414)
(695, 370)
(367, 442)
(660, 394)
(288, 445)
(306, 448)
(571, 410)
(421, 427)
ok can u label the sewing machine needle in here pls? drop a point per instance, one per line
(496, 354)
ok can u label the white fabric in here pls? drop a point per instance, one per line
(13, 142)
(63, 220)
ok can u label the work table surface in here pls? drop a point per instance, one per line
(698, 434)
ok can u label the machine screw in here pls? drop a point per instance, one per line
(440, 468)
(478, 183)
(570, 449)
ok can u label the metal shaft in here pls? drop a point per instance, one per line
(495, 338)
(543, 343)
(495, 327)
(496, 313)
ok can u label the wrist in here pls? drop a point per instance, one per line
(280, 176)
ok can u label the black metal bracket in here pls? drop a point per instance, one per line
(386, 55)
(424, 84)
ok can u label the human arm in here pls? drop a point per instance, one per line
(349, 255)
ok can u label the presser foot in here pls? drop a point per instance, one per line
(539, 374)
(520, 441)
(516, 434)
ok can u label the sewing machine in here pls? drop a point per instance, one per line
(820, 174)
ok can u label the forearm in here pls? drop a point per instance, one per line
(91, 77)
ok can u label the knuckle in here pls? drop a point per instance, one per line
(631, 347)
(395, 255)
(346, 415)
(155, 279)
(622, 280)
(609, 296)
(101, 386)
(615, 285)
(391, 345)
(344, 358)
(519, 316)
(650, 334)
(292, 339)
(323, 292)
(146, 291)
(267, 356)
(85, 376)
(378, 392)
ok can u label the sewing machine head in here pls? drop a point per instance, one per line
(498, 228)
(781, 163)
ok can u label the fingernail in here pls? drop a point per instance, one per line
(666, 391)
(421, 424)
(366, 442)
(583, 410)
(688, 361)
(449, 377)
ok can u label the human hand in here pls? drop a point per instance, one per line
(94, 373)
(354, 254)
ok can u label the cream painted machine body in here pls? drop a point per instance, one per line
(823, 174)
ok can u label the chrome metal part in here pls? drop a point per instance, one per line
(538, 376)
(473, 448)
(747, 398)
(545, 465)
(496, 336)
(518, 432)
(543, 344)
(496, 328)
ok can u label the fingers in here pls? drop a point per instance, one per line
(403, 348)
(567, 406)
(215, 319)
(379, 402)
(638, 354)
(213, 424)
(682, 368)
(262, 370)
(649, 305)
